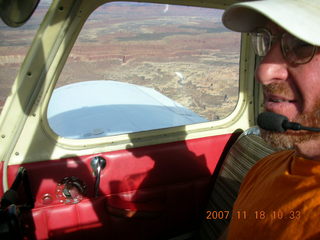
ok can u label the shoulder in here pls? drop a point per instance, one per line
(271, 161)
(270, 165)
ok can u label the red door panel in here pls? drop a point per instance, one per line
(145, 193)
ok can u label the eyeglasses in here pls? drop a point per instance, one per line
(294, 50)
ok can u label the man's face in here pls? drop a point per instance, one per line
(292, 91)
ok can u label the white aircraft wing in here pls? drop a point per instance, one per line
(103, 108)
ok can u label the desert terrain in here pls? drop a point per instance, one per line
(184, 53)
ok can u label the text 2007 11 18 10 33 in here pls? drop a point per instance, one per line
(258, 215)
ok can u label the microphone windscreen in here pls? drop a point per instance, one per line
(272, 121)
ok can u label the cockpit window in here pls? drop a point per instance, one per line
(141, 66)
(14, 45)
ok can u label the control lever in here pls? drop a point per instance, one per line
(97, 164)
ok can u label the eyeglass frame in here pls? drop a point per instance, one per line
(273, 39)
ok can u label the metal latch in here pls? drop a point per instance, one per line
(97, 164)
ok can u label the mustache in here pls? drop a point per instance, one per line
(277, 88)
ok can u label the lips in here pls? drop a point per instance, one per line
(281, 104)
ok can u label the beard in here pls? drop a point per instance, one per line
(288, 139)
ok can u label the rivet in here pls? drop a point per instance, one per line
(47, 199)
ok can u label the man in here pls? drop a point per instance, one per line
(280, 196)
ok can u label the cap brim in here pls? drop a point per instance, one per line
(300, 18)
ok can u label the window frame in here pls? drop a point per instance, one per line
(93, 45)
(33, 140)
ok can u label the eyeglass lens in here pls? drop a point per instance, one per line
(296, 50)
(293, 49)
(261, 43)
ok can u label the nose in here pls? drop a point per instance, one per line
(273, 68)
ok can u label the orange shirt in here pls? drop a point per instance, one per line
(278, 199)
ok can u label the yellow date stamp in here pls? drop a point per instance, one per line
(257, 215)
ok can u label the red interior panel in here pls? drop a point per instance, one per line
(151, 192)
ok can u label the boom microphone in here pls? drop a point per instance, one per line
(278, 123)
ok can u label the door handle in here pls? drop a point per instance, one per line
(97, 164)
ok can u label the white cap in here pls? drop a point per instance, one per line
(300, 18)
